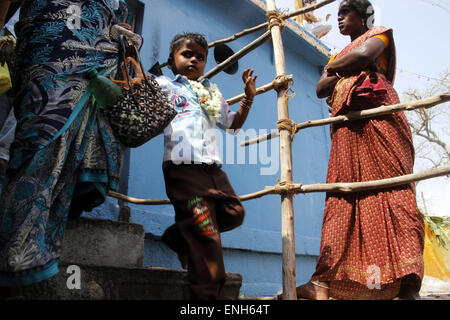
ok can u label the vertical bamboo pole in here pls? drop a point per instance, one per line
(287, 208)
(299, 5)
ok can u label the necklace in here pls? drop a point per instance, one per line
(210, 98)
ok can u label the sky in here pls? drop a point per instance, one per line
(422, 37)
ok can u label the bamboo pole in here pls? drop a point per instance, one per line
(265, 24)
(319, 187)
(261, 138)
(363, 114)
(375, 184)
(287, 207)
(349, 187)
(137, 200)
(267, 87)
(226, 64)
(235, 57)
(229, 39)
(309, 8)
(262, 26)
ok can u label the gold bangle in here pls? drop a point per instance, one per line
(246, 103)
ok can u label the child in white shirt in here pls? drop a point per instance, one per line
(205, 203)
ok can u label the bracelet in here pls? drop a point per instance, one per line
(319, 285)
(246, 103)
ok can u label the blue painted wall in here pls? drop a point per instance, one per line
(254, 249)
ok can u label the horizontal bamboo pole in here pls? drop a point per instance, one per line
(308, 8)
(319, 187)
(235, 57)
(137, 200)
(260, 139)
(240, 34)
(351, 186)
(357, 115)
(264, 25)
(267, 87)
(375, 184)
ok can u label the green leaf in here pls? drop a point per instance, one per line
(439, 226)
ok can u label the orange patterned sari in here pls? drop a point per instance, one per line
(370, 240)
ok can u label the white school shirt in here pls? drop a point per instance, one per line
(190, 137)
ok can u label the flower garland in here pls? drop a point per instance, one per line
(210, 98)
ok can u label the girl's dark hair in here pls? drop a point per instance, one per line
(178, 40)
(363, 7)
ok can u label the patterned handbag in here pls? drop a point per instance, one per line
(143, 111)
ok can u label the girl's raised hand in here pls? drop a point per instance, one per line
(249, 83)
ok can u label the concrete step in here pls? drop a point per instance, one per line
(103, 260)
(99, 242)
(84, 282)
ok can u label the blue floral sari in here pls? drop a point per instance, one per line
(64, 154)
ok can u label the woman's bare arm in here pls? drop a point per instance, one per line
(326, 84)
(358, 59)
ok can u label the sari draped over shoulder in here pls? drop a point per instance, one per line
(371, 239)
(369, 83)
(64, 157)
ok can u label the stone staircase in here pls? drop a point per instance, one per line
(103, 260)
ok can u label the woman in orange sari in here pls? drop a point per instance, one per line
(372, 242)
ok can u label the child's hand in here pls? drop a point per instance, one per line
(249, 83)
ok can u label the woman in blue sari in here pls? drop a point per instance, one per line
(64, 157)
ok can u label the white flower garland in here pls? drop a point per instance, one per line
(210, 98)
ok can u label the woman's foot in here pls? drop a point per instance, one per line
(410, 287)
(409, 295)
(313, 290)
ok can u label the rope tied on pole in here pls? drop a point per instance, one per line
(283, 82)
(275, 18)
(287, 124)
(287, 187)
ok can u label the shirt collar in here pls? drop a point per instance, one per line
(183, 79)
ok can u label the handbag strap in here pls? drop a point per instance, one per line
(138, 57)
(122, 51)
